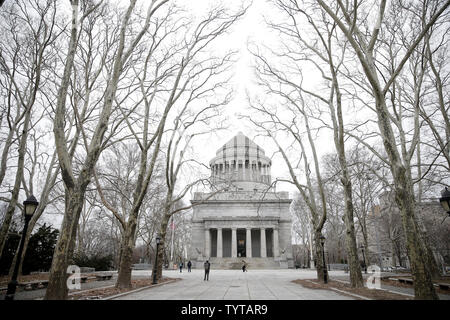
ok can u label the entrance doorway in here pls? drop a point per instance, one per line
(240, 237)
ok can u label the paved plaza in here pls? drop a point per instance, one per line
(228, 285)
(236, 285)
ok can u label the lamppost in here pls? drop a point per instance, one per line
(364, 258)
(328, 259)
(445, 200)
(29, 206)
(155, 268)
(325, 273)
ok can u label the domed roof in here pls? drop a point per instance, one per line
(239, 141)
(240, 146)
(242, 163)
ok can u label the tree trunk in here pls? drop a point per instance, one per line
(126, 258)
(320, 268)
(366, 250)
(5, 153)
(431, 260)
(417, 254)
(356, 280)
(57, 286)
(404, 197)
(161, 247)
(24, 250)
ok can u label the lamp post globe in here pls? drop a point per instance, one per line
(322, 240)
(445, 200)
(30, 205)
(29, 208)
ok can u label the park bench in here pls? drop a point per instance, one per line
(393, 279)
(444, 286)
(103, 277)
(404, 280)
(83, 279)
(33, 285)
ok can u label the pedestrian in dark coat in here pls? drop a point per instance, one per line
(207, 265)
(181, 266)
(189, 265)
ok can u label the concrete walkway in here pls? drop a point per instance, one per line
(236, 285)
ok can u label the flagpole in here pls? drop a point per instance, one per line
(171, 246)
(312, 265)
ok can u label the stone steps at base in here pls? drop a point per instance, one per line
(236, 263)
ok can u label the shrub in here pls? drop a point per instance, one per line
(100, 263)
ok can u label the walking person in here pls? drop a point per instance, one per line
(244, 266)
(189, 265)
(181, 266)
(207, 266)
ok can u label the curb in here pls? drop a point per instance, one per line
(351, 294)
(387, 290)
(137, 290)
(344, 292)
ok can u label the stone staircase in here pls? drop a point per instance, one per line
(236, 263)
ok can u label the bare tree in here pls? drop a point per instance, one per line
(182, 75)
(363, 42)
(269, 126)
(75, 186)
(188, 125)
(326, 53)
(30, 33)
(302, 228)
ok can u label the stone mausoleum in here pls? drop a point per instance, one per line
(242, 217)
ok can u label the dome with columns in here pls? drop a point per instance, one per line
(242, 163)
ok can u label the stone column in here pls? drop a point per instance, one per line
(263, 243)
(240, 171)
(252, 173)
(248, 242)
(233, 243)
(219, 243)
(207, 244)
(275, 242)
(244, 170)
(263, 173)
